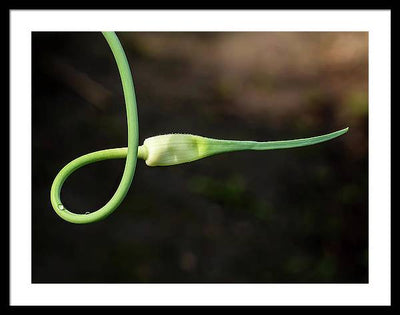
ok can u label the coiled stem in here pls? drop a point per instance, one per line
(131, 153)
(163, 150)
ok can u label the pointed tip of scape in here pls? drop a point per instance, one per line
(341, 131)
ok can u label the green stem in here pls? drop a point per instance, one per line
(156, 151)
(220, 146)
(130, 153)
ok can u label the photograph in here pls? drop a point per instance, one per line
(200, 157)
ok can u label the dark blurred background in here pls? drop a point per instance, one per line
(297, 215)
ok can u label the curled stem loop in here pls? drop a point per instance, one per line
(130, 153)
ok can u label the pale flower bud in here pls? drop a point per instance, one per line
(173, 149)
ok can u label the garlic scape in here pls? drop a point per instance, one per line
(172, 149)
(163, 150)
